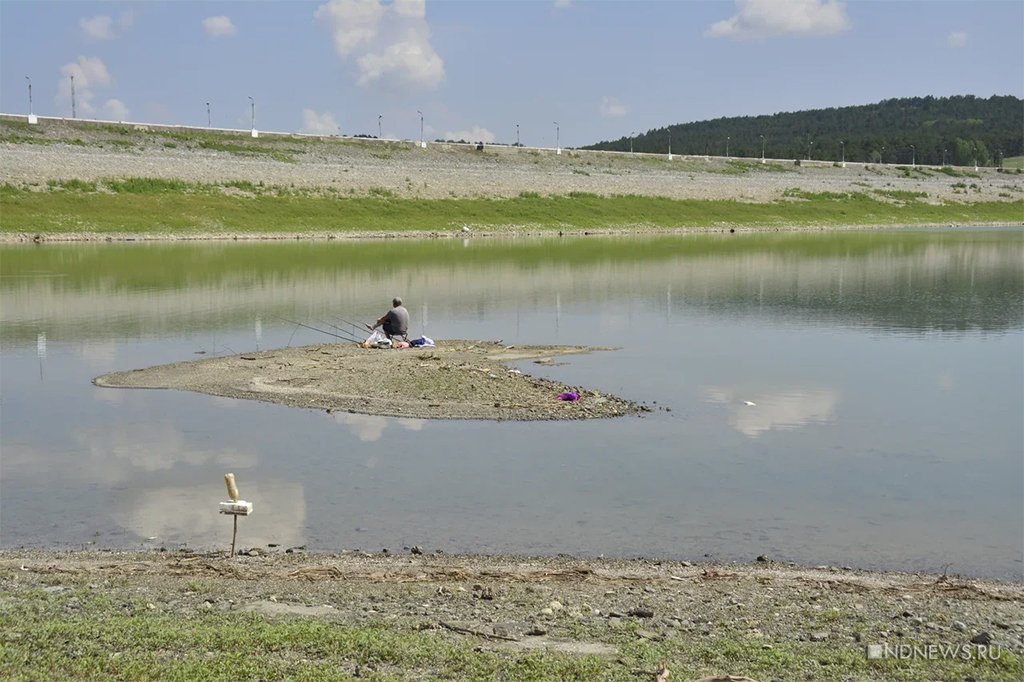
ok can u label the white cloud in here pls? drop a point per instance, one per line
(100, 27)
(477, 134)
(389, 44)
(563, 4)
(767, 18)
(219, 27)
(611, 107)
(318, 124)
(90, 75)
(957, 39)
(115, 110)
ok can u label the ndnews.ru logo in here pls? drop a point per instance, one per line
(935, 652)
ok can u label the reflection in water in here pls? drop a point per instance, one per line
(368, 428)
(879, 364)
(906, 281)
(189, 514)
(779, 409)
(119, 454)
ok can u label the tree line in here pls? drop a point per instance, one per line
(961, 130)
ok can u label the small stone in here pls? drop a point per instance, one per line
(917, 620)
(641, 612)
(416, 549)
(555, 606)
(56, 589)
(818, 636)
(960, 626)
(982, 638)
(536, 631)
(546, 611)
(763, 559)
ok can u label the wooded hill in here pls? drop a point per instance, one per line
(966, 127)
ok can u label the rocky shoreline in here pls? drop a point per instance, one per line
(630, 618)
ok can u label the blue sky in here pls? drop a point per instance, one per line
(476, 69)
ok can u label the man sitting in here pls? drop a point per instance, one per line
(394, 322)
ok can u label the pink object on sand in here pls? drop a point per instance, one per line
(570, 396)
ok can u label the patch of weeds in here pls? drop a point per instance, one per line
(171, 145)
(147, 186)
(243, 185)
(71, 185)
(78, 142)
(529, 195)
(582, 195)
(900, 195)
(381, 193)
(21, 139)
(580, 171)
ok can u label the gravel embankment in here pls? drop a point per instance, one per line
(360, 167)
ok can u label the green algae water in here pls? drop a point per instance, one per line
(849, 398)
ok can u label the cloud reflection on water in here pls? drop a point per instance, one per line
(780, 409)
(188, 514)
(370, 427)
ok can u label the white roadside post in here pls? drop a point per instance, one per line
(234, 507)
(32, 120)
(254, 133)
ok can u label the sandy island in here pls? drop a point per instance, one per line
(455, 380)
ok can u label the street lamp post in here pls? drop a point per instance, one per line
(842, 145)
(975, 158)
(517, 136)
(727, 138)
(252, 103)
(31, 116)
(913, 156)
(762, 148)
(881, 156)
(380, 134)
(73, 112)
(631, 136)
(209, 118)
(809, 143)
(422, 144)
(558, 147)
(944, 158)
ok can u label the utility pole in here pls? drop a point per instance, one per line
(73, 111)
(517, 136)
(380, 133)
(558, 147)
(762, 149)
(209, 118)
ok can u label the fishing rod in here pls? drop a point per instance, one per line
(322, 331)
(353, 324)
(344, 332)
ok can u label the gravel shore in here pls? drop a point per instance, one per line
(65, 151)
(454, 380)
(637, 618)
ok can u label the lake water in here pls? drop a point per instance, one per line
(886, 371)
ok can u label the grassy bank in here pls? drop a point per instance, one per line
(140, 206)
(185, 616)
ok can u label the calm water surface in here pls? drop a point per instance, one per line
(887, 372)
